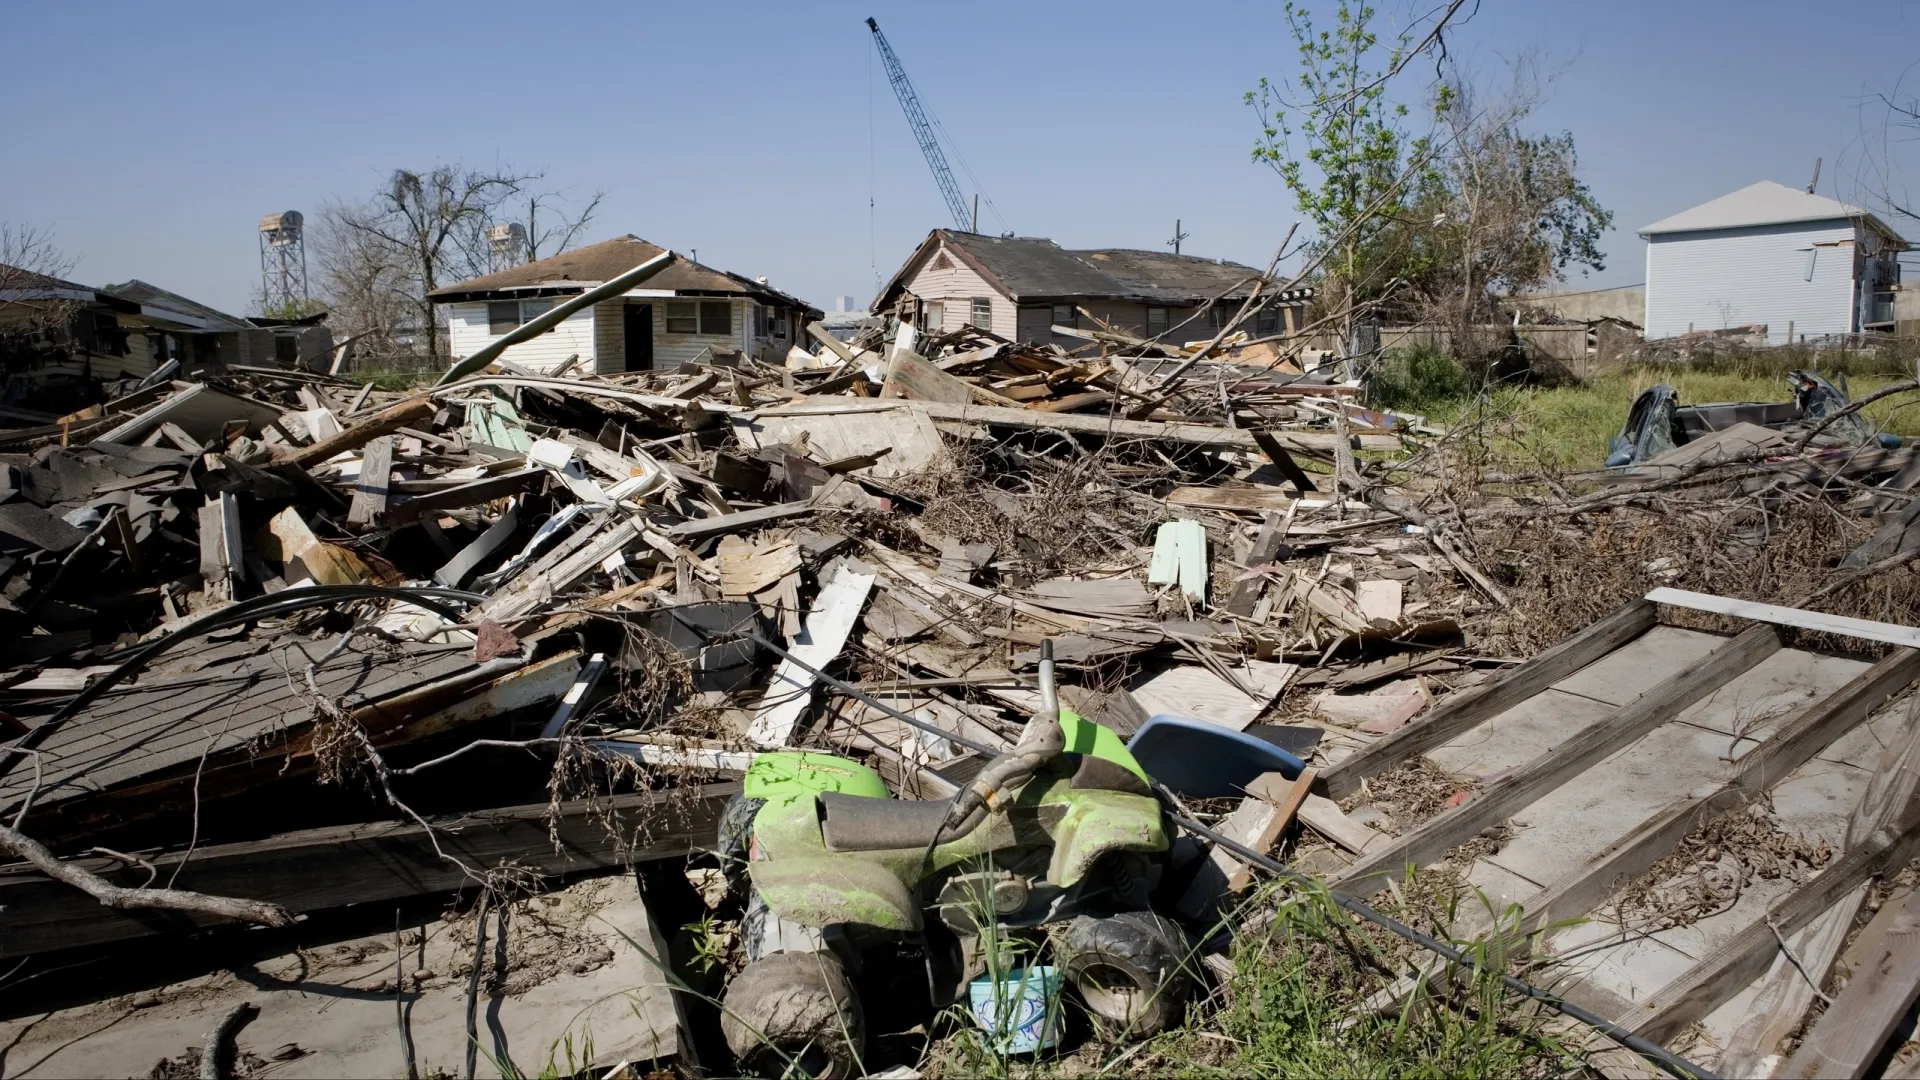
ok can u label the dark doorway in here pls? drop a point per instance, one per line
(638, 324)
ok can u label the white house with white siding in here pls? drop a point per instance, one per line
(1020, 287)
(684, 313)
(1799, 264)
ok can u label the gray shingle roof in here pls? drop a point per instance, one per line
(571, 271)
(1764, 203)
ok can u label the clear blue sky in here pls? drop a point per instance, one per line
(151, 138)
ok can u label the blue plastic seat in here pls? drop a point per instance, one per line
(1199, 760)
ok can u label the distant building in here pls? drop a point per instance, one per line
(1774, 256)
(684, 313)
(1019, 287)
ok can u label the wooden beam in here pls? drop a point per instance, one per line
(1849, 1035)
(381, 423)
(370, 490)
(1867, 629)
(1731, 966)
(1462, 711)
(688, 532)
(1109, 426)
(1273, 531)
(353, 864)
(1283, 461)
(1506, 797)
(470, 494)
(1578, 891)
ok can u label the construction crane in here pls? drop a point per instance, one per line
(922, 130)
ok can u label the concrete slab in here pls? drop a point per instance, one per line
(1863, 746)
(583, 985)
(1520, 734)
(1757, 702)
(1637, 666)
(1568, 826)
(1630, 967)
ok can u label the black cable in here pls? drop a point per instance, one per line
(249, 610)
(1659, 1055)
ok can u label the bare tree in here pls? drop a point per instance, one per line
(558, 235)
(1889, 122)
(381, 257)
(34, 315)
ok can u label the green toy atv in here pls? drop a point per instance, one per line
(1062, 829)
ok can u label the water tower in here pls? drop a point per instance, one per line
(506, 244)
(283, 262)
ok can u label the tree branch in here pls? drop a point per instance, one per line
(123, 899)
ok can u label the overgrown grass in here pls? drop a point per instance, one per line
(1567, 427)
(1304, 1000)
(395, 380)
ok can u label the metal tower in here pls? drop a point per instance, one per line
(922, 129)
(283, 262)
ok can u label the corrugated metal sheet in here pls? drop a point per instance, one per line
(1740, 277)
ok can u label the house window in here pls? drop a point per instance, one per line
(502, 316)
(982, 314)
(1156, 321)
(286, 349)
(1267, 322)
(936, 315)
(710, 317)
(1065, 315)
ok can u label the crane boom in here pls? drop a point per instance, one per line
(922, 129)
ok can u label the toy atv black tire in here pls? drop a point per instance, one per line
(794, 1014)
(1129, 970)
(734, 836)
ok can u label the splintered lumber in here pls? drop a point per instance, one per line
(688, 532)
(835, 610)
(370, 490)
(1785, 616)
(1506, 797)
(1785, 995)
(910, 375)
(1462, 711)
(1283, 461)
(1115, 427)
(355, 864)
(1257, 822)
(469, 494)
(384, 422)
(1848, 1037)
(543, 580)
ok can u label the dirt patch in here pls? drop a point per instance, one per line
(547, 936)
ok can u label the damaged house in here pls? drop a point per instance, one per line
(1020, 287)
(54, 331)
(1798, 264)
(683, 313)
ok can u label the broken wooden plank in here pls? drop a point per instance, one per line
(910, 375)
(340, 865)
(1180, 558)
(690, 532)
(1114, 427)
(835, 610)
(1849, 1036)
(1325, 817)
(1283, 461)
(1266, 547)
(1506, 797)
(1462, 711)
(469, 494)
(1866, 629)
(370, 489)
(1780, 1005)
(384, 422)
(1257, 823)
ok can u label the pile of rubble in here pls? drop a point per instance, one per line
(295, 644)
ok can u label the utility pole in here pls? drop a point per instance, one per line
(976, 213)
(1177, 237)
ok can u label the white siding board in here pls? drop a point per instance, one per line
(1737, 277)
(672, 350)
(467, 333)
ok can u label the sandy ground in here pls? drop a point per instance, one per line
(575, 990)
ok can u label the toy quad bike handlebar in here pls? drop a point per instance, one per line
(1041, 743)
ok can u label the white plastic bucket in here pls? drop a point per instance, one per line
(1020, 1011)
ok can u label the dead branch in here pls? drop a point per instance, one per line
(114, 896)
(218, 1052)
